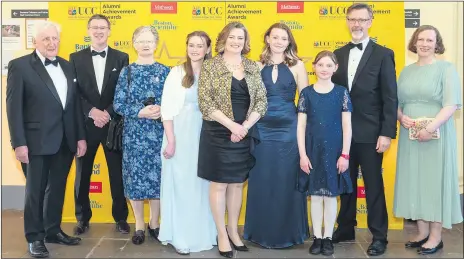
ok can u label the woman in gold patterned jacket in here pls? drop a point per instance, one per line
(232, 98)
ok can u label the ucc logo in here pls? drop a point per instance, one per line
(82, 10)
(122, 43)
(332, 10)
(205, 10)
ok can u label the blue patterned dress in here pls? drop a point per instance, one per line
(142, 138)
(324, 141)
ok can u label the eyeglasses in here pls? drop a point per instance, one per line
(102, 28)
(145, 42)
(360, 21)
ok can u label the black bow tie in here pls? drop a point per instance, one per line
(48, 62)
(359, 45)
(102, 54)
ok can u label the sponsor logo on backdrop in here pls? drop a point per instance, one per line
(321, 44)
(207, 12)
(361, 192)
(338, 12)
(79, 46)
(164, 25)
(164, 7)
(82, 12)
(115, 12)
(122, 44)
(95, 204)
(96, 169)
(362, 209)
(241, 12)
(292, 24)
(290, 7)
(95, 187)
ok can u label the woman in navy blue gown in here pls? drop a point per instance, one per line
(276, 214)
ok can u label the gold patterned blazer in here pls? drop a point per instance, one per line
(214, 88)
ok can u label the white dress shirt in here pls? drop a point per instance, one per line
(354, 58)
(58, 77)
(99, 64)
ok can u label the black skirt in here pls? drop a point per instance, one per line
(221, 160)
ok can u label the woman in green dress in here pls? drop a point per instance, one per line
(427, 188)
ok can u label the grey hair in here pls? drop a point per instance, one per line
(143, 29)
(43, 25)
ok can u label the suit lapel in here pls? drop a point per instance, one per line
(344, 63)
(88, 63)
(69, 81)
(108, 67)
(42, 72)
(362, 63)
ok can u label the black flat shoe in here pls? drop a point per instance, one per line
(414, 244)
(316, 247)
(429, 251)
(327, 247)
(37, 249)
(123, 227)
(377, 247)
(139, 237)
(81, 227)
(63, 239)
(154, 233)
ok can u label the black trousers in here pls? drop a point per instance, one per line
(84, 167)
(366, 156)
(48, 173)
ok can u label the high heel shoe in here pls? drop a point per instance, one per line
(243, 248)
(154, 233)
(227, 254)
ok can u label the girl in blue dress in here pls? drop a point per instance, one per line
(324, 138)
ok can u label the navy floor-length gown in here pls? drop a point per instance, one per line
(276, 212)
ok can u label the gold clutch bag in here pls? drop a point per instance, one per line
(420, 124)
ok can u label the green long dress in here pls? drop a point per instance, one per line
(427, 185)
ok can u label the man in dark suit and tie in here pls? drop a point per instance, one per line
(47, 130)
(97, 70)
(368, 71)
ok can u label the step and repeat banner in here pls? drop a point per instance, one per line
(316, 26)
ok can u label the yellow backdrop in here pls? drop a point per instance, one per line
(316, 26)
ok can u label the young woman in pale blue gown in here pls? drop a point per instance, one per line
(186, 220)
(427, 186)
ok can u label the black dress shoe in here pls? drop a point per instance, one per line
(81, 227)
(139, 237)
(242, 248)
(316, 247)
(343, 235)
(63, 239)
(37, 249)
(377, 247)
(154, 233)
(416, 244)
(429, 251)
(123, 227)
(227, 254)
(327, 247)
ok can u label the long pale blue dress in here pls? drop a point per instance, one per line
(426, 184)
(186, 219)
(141, 161)
(276, 212)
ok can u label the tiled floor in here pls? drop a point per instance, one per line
(103, 242)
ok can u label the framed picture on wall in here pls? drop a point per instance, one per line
(30, 31)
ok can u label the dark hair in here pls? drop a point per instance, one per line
(224, 34)
(99, 17)
(439, 49)
(290, 54)
(189, 78)
(323, 54)
(360, 6)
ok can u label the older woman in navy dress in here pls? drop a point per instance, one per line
(137, 99)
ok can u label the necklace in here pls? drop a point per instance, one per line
(233, 67)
